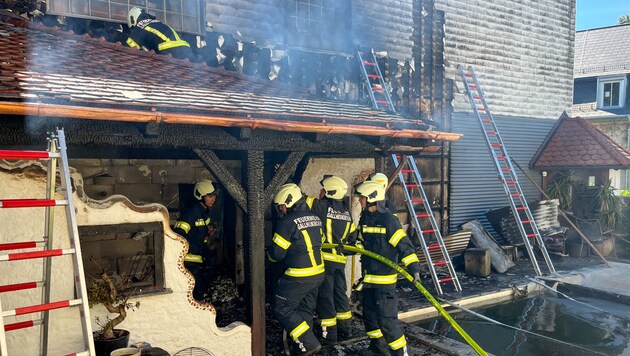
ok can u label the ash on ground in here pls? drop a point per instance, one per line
(227, 301)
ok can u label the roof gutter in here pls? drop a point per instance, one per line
(111, 114)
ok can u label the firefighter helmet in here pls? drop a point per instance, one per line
(335, 187)
(203, 188)
(133, 15)
(288, 195)
(373, 191)
(380, 178)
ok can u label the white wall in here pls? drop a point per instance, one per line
(171, 321)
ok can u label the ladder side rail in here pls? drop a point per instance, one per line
(416, 224)
(390, 104)
(367, 79)
(514, 177)
(437, 233)
(3, 337)
(49, 218)
(79, 276)
(471, 98)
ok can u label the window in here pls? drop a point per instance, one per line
(611, 92)
(182, 15)
(318, 24)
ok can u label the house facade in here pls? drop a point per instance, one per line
(601, 86)
(287, 93)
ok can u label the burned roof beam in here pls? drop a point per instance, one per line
(212, 162)
(284, 172)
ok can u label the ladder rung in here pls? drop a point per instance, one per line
(521, 208)
(487, 121)
(20, 245)
(84, 353)
(531, 235)
(506, 169)
(526, 221)
(411, 185)
(42, 307)
(36, 254)
(510, 182)
(418, 200)
(377, 89)
(472, 86)
(476, 97)
(496, 145)
(447, 279)
(468, 75)
(515, 195)
(428, 231)
(23, 325)
(440, 263)
(491, 132)
(481, 109)
(30, 203)
(406, 171)
(501, 157)
(433, 247)
(33, 155)
(368, 63)
(19, 286)
(382, 102)
(373, 76)
(423, 215)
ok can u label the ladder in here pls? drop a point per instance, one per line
(377, 88)
(507, 174)
(430, 239)
(56, 155)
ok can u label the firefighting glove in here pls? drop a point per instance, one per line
(416, 278)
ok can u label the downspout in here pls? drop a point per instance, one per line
(628, 148)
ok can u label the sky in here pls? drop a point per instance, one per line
(599, 13)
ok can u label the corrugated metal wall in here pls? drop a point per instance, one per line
(474, 187)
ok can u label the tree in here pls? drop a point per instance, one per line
(624, 19)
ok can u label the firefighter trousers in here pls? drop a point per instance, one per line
(294, 308)
(333, 307)
(380, 316)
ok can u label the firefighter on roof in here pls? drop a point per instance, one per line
(145, 32)
(297, 244)
(381, 233)
(197, 226)
(333, 307)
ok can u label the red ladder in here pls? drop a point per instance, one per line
(507, 174)
(430, 239)
(56, 154)
(376, 85)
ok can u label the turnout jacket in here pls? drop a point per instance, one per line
(338, 228)
(381, 233)
(151, 34)
(193, 225)
(297, 244)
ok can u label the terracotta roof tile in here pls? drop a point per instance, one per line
(576, 143)
(46, 65)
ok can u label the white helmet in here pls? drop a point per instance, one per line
(132, 16)
(373, 191)
(203, 188)
(380, 178)
(335, 187)
(288, 195)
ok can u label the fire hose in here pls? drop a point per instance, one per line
(420, 288)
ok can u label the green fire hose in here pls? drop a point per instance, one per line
(420, 287)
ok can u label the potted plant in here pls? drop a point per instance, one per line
(111, 292)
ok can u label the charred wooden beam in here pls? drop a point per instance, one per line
(256, 247)
(281, 176)
(212, 162)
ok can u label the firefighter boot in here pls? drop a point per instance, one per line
(305, 345)
(379, 346)
(400, 352)
(344, 329)
(329, 335)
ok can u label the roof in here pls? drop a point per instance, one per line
(602, 51)
(576, 143)
(49, 72)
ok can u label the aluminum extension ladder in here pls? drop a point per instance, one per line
(377, 88)
(430, 239)
(507, 174)
(56, 155)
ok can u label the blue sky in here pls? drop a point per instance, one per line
(599, 13)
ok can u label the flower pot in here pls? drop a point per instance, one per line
(104, 347)
(127, 351)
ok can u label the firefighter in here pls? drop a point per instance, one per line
(333, 306)
(381, 232)
(382, 179)
(145, 32)
(197, 225)
(297, 244)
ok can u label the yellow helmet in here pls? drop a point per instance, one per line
(335, 187)
(380, 178)
(203, 188)
(132, 16)
(373, 191)
(288, 195)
